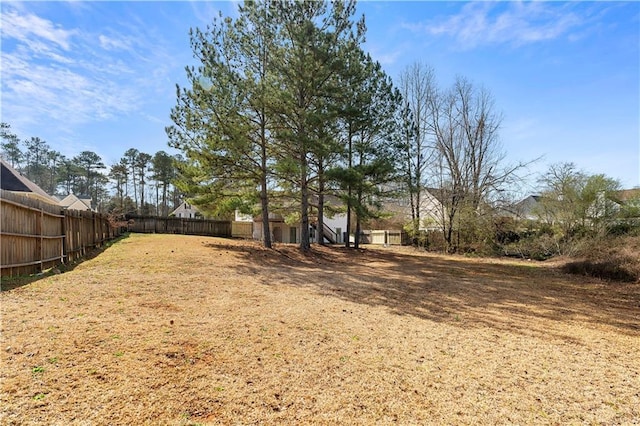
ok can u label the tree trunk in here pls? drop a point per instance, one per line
(164, 200)
(264, 170)
(141, 196)
(320, 231)
(135, 189)
(356, 243)
(264, 201)
(305, 244)
(347, 242)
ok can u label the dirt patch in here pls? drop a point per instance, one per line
(178, 330)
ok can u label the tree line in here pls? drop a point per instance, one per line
(286, 108)
(285, 111)
(139, 183)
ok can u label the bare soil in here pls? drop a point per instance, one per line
(180, 330)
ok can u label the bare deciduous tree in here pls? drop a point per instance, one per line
(417, 86)
(470, 166)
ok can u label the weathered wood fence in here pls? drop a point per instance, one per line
(242, 229)
(385, 237)
(35, 235)
(178, 225)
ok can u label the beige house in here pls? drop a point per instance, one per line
(432, 210)
(628, 196)
(73, 202)
(281, 232)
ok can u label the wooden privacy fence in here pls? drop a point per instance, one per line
(35, 235)
(242, 229)
(386, 237)
(177, 225)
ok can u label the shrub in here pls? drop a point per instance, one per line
(611, 258)
(614, 270)
(537, 247)
(627, 227)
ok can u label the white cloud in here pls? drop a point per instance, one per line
(59, 94)
(113, 43)
(69, 77)
(24, 27)
(514, 23)
(386, 58)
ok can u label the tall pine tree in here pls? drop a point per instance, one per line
(222, 122)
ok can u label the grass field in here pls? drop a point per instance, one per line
(180, 330)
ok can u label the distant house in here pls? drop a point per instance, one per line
(335, 224)
(249, 226)
(281, 232)
(528, 208)
(242, 217)
(432, 210)
(334, 219)
(186, 210)
(533, 208)
(73, 202)
(629, 200)
(627, 196)
(11, 180)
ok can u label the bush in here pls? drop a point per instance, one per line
(624, 228)
(614, 270)
(537, 247)
(610, 258)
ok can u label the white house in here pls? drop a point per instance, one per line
(282, 232)
(185, 210)
(335, 224)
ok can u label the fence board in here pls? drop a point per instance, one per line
(389, 237)
(35, 235)
(177, 225)
(242, 229)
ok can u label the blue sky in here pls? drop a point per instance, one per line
(101, 76)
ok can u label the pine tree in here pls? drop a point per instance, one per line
(222, 122)
(374, 143)
(10, 146)
(309, 37)
(163, 173)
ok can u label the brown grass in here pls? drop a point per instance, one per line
(178, 330)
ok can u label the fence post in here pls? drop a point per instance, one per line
(38, 248)
(93, 226)
(63, 249)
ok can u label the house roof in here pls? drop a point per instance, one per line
(438, 193)
(628, 194)
(273, 217)
(183, 207)
(531, 199)
(73, 202)
(12, 180)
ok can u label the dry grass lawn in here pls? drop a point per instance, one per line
(180, 330)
